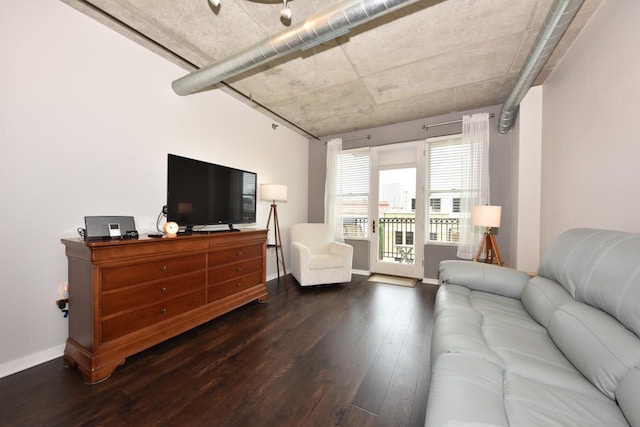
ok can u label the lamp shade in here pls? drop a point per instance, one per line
(273, 192)
(486, 216)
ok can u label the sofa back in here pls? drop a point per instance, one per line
(600, 268)
(587, 295)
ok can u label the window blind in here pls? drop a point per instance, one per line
(444, 183)
(353, 191)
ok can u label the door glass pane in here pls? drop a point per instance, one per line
(396, 215)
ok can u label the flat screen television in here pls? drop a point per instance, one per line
(201, 194)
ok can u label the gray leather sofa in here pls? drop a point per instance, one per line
(559, 349)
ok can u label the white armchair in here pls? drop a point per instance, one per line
(318, 259)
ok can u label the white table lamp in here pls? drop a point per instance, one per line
(489, 217)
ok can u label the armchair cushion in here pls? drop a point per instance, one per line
(321, 261)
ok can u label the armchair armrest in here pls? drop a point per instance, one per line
(484, 277)
(341, 249)
(300, 259)
(301, 253)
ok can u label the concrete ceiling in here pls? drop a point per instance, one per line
(431, 58)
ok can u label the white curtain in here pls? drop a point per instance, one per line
(332, 200)
(475, 180)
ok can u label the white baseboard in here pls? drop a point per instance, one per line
(361, 272)
(14, 366)
(430, 281)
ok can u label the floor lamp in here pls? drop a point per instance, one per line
(487, 216)
(276, 193)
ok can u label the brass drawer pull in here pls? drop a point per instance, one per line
(239, 253)
(164, 268)
(239, 285)
(163, 311)
(239, 269)
(163, 290)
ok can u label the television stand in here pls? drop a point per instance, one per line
(129, 295)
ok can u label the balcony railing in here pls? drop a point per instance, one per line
(396, 238)
(397, 234)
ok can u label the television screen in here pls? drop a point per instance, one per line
(201, 193)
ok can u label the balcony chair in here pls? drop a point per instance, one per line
(316, 258)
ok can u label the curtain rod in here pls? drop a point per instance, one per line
(426, 127)
(368, 136)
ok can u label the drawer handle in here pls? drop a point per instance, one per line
(163, 290)
(239, 253)
(239, 285)
(164, 268)
(163, 311)
(239, 269)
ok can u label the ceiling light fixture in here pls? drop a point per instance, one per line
(285, 12)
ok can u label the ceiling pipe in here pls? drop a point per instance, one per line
(555, 24)
(318, 28)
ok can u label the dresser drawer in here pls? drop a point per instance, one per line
(134, 296)
(116, 277)
(118, 326)
(221, 290)
(232, 271)
(231, 255)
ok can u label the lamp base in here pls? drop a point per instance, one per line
(278, 243)
(490, 247)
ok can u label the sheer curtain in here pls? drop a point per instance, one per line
(332, 201)
(475, 180)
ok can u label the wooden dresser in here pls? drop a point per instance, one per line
(128, 295)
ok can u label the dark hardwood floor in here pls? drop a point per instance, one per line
(340, 355)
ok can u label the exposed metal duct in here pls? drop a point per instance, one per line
(316, 29)
(555, 24)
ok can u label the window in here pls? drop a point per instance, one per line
(398, 237)
(444, 182)
(456, 205)
(353, 191)
(409, 238)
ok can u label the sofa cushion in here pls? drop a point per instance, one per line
(603, 350)
(470, 391)
(627, 396)
(599, 268)
(466, 390)
(498, 329)
(530, 402)
(542, 297)
(458, 325)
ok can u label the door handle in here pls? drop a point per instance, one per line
(374, 227)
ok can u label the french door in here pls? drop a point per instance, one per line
(396, 210)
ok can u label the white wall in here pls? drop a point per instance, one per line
(591, 111)
(528, 159)
(87, 118)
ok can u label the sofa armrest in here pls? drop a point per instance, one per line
(484, 277)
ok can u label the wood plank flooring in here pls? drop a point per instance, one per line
(341, 355)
